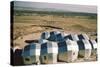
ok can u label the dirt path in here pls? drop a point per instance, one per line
(21, 40)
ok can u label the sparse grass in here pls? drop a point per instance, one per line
(26, 24)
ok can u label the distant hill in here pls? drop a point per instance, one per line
(49, 11)
(39, 9)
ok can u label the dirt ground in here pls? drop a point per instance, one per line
(31, 27)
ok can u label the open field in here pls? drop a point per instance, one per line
(30, 26)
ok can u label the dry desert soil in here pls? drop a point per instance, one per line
(31, 27)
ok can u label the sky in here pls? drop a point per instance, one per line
(65, 7)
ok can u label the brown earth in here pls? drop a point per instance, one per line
(30, 27)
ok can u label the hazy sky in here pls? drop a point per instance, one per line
(65, 7)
